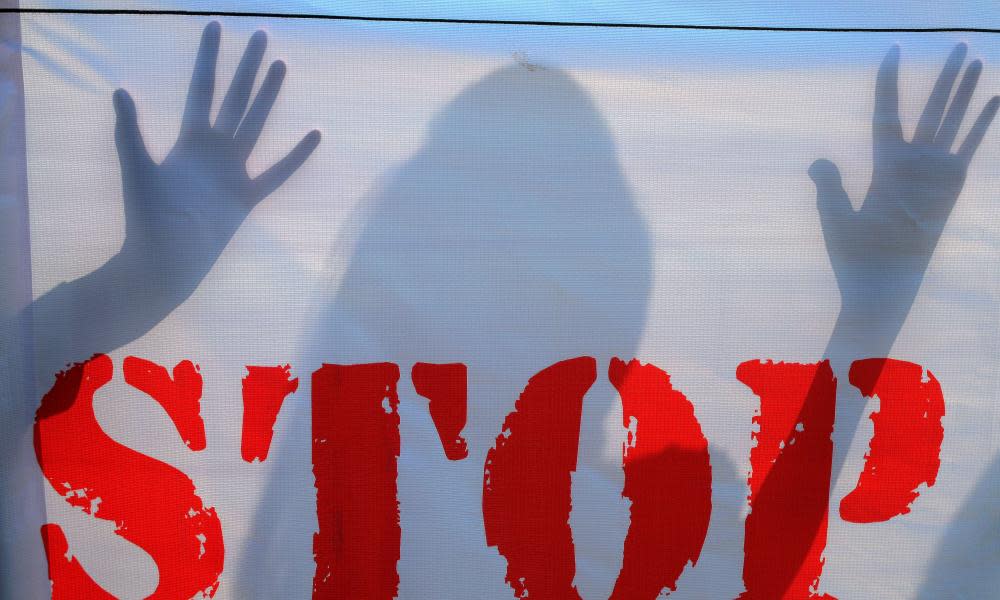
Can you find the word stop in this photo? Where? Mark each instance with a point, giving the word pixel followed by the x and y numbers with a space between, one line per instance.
pixel 356 444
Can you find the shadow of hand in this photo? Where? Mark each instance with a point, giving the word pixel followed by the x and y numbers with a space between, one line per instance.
pixel 180 214
pixel 880 252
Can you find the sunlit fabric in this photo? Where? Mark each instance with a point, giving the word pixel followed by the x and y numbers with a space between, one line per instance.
pixel 302 307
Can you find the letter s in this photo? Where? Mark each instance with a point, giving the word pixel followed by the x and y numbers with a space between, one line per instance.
pixel 153 504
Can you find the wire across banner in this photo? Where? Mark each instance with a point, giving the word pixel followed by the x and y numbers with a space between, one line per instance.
pixel 532 23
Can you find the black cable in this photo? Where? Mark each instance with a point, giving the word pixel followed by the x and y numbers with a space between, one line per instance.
pixel 272 15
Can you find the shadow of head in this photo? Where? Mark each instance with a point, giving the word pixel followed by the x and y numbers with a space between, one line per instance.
pixel 508 241
pixel 512 231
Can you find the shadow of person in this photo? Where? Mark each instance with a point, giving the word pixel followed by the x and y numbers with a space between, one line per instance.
pixel 508 242
pixel 718 572
pixel 879 254
pixel 179 216
pixel 966 561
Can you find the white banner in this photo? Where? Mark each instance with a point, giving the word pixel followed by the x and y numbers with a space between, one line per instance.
pixel 348 309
